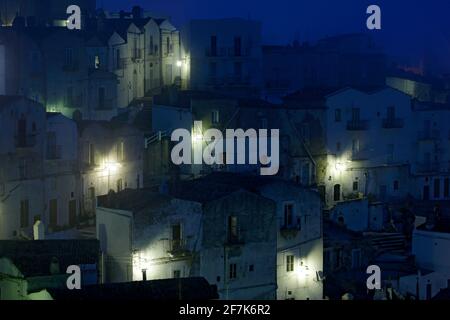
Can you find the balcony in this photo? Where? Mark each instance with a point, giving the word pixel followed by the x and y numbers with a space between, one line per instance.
pixel 429 135
pixel 290 231
pixel 178 248
pixel 393 123
pixel 235 239
pixel 357 125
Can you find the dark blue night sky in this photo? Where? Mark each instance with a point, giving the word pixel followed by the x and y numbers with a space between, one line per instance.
pixel 410 27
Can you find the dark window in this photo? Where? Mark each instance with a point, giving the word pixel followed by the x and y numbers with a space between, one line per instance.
pixel 437 188
pixel 237 46
pixel 337 192
pixel 119 185
pixel 251 268
pixel 446 187
pixel 288 214
pixel 356 258
pixel 24 213
pixel 337 115
pixel 53 207
pixel 69 57
pixel 176 274
pixel 396 185
pixel 176 236
pixel 290 263
pixel 168 45
pixel 91 154
pixel 22 132
pixel 101 98
pixel 355 185
pixel 233 271
pixel 337 259
pixel 355 114
pixel 118 60
pixel 151 45
pixel 238 70
pixel 69 98
pixel 213 46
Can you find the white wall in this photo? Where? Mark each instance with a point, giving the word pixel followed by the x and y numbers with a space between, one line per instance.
pixel 2 70
pixel 431 250
pixel 114 231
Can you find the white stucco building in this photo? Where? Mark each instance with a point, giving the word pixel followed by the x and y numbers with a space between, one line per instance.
pixel 224 55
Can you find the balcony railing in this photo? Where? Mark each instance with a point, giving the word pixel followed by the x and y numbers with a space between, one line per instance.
pixel 235 238
pixel 393 123
pixel 178 247
pixel 357 125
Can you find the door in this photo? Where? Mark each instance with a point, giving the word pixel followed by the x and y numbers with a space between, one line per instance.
pixel 53 213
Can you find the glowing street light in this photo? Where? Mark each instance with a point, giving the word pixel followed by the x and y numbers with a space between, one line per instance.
pixel 340 167
pixel 179 63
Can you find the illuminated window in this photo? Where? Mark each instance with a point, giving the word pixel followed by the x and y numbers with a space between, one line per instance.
pixel 290 263
pixel 97 62
pixel 215 117
pixel 232 271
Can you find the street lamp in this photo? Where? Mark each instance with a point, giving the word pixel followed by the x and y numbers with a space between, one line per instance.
pixel 111 168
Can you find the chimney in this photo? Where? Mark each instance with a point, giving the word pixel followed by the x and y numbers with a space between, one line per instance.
pixel 137 12
pixel 38 230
